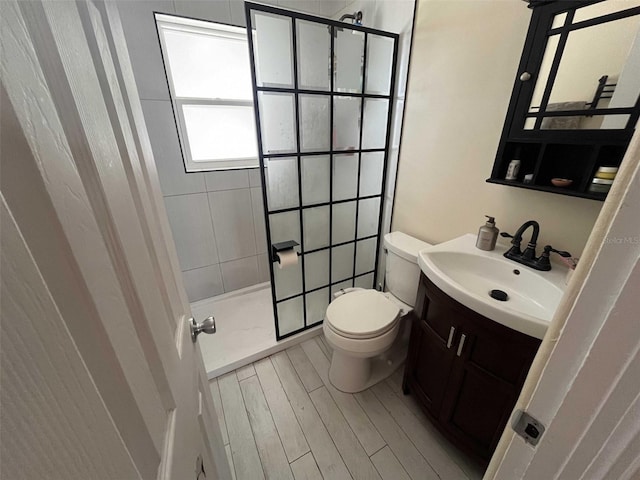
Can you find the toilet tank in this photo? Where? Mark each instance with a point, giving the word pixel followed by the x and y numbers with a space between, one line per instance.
pixel 402 272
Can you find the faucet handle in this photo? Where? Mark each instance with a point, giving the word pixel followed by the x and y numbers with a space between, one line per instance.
pixel 548 249
pixel 506 235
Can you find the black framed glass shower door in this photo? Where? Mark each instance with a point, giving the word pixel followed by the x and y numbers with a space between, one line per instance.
pixel 323 93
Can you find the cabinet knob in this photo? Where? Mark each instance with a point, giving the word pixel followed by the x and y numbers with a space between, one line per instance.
pixel 525 77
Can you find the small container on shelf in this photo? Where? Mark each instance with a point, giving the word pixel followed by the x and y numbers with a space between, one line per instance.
pixel 561 182
pixel 600 185
pixel 606 173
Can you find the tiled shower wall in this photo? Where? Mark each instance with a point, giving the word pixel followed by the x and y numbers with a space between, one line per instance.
pixel 216 218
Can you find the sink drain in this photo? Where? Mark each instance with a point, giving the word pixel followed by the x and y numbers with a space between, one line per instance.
pixel 499 295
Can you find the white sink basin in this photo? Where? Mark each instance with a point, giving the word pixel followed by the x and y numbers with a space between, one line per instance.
pixel 468 274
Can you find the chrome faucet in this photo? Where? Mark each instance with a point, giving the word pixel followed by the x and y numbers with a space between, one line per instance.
pixel 528 257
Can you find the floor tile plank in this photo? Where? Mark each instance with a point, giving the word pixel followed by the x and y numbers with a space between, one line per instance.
pixel 414 463
pixel 293 441
pixel 355 416
pixel 306 372
pixel 324 346
pixel 227 448
pixel 388 465
pixel 352 453
pixel 305 468
pixel 245 372
pixel 272 456
pixel 243 447
pixel 427 444
pixel 217 403
pixel 324 451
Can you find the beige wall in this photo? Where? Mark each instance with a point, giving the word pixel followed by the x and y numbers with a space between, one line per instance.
pixel 463 64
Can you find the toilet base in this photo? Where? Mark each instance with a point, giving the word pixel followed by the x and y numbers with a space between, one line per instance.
pixel 362 373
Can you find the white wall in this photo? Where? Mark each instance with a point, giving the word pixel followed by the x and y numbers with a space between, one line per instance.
pixel 464 61
pixel 216 218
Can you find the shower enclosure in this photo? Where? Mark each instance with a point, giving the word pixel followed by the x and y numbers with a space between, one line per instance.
pixel 323 95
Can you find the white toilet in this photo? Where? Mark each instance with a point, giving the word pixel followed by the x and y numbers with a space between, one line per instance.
pixel 362 325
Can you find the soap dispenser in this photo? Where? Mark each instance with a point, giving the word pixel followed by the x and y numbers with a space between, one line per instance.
pixel 487 235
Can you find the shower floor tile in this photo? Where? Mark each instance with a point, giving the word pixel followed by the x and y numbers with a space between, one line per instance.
pixel 245 329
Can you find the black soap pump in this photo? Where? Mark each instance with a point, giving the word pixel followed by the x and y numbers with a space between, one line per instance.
pixel 487 235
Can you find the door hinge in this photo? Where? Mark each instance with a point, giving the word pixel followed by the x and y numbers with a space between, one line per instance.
pixel 527 427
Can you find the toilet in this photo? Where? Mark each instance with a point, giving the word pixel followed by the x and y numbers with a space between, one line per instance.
pixel 365 327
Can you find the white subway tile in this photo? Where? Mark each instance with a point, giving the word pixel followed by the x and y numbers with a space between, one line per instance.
pixel 232 215
pixel 239 273
pixel 201 283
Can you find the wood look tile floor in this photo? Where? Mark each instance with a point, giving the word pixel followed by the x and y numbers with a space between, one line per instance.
pixel 282 419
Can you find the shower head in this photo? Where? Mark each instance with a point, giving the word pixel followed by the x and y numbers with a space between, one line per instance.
pixel 356 17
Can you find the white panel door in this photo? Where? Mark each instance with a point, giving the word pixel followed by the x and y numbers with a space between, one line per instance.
pixel 100 377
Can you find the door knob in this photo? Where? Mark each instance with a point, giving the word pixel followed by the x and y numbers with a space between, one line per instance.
pixel 208 325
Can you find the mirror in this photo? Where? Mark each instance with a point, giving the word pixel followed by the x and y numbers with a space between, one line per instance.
pixel 598 68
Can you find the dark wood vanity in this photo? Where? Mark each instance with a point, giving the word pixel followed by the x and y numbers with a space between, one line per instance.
pixel 575 101
pixel 465 370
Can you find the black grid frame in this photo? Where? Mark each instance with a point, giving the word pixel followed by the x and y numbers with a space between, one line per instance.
pixel 331 94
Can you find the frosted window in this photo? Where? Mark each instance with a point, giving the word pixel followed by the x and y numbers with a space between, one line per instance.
pixel 220 132
pixel 345 176
pixel 288 281
pixel 379 62
pixel 316 227
pixel 314 122
pixel 346 119
pixel 290 316
pixel 365 281
pixel 349 51
pixel 341 262
pixel 315 179
pixel 284 226
pixel 374 129
pixel 343 222
pixel 314 44
pixel 317 303
pixel 368 215
pixel 273 47
pixel 371 169
pixel 208 65
pixel 277 120
pixel 282 183
pixel 316 269
pixel 365 255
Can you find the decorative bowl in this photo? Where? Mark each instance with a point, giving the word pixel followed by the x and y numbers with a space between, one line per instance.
pixel 561 182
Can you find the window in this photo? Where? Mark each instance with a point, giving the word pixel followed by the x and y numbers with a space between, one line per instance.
pixel 207 66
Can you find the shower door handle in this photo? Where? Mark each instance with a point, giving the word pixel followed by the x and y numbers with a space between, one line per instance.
pixel 208 325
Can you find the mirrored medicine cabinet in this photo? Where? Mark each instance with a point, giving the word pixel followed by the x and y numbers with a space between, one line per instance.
pixel 575 101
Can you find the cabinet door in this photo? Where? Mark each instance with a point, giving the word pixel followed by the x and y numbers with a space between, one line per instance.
pixel 431 360
pixel 485 383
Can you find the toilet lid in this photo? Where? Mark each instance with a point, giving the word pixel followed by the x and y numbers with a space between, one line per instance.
pixel 362 314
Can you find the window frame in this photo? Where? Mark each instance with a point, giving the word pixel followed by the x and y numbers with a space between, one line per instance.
pixel 166 22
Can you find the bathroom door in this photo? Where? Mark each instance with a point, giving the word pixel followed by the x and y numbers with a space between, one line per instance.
pixel 100 377
pixel 322 92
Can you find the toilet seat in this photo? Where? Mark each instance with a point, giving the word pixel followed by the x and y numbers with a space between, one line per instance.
pixel 362 314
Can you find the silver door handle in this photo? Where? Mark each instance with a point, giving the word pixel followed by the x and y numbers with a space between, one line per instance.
pixel 452 332
pixel 208 325
pixel 463 337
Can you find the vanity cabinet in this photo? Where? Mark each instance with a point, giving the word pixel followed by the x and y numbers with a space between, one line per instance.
pixel 575 100
pixel 465 370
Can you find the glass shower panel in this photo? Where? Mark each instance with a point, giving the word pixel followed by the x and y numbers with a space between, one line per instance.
pixel 346 123
pixel 368 217
pixel 282 191
pixel 273 47
pixel 290 316
pixel 316 113
pixel 379 57
pixel 371 170
pixel 316 183
pixel 284 226
pixel 343 222
pixel 349 54
pixel 374 120
pixel 366 255
pixel 345 176
pixel 315 128
pixel 316 269
pixel 315 222
pixel 314 55
pixel 277 122
pixel 317 303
